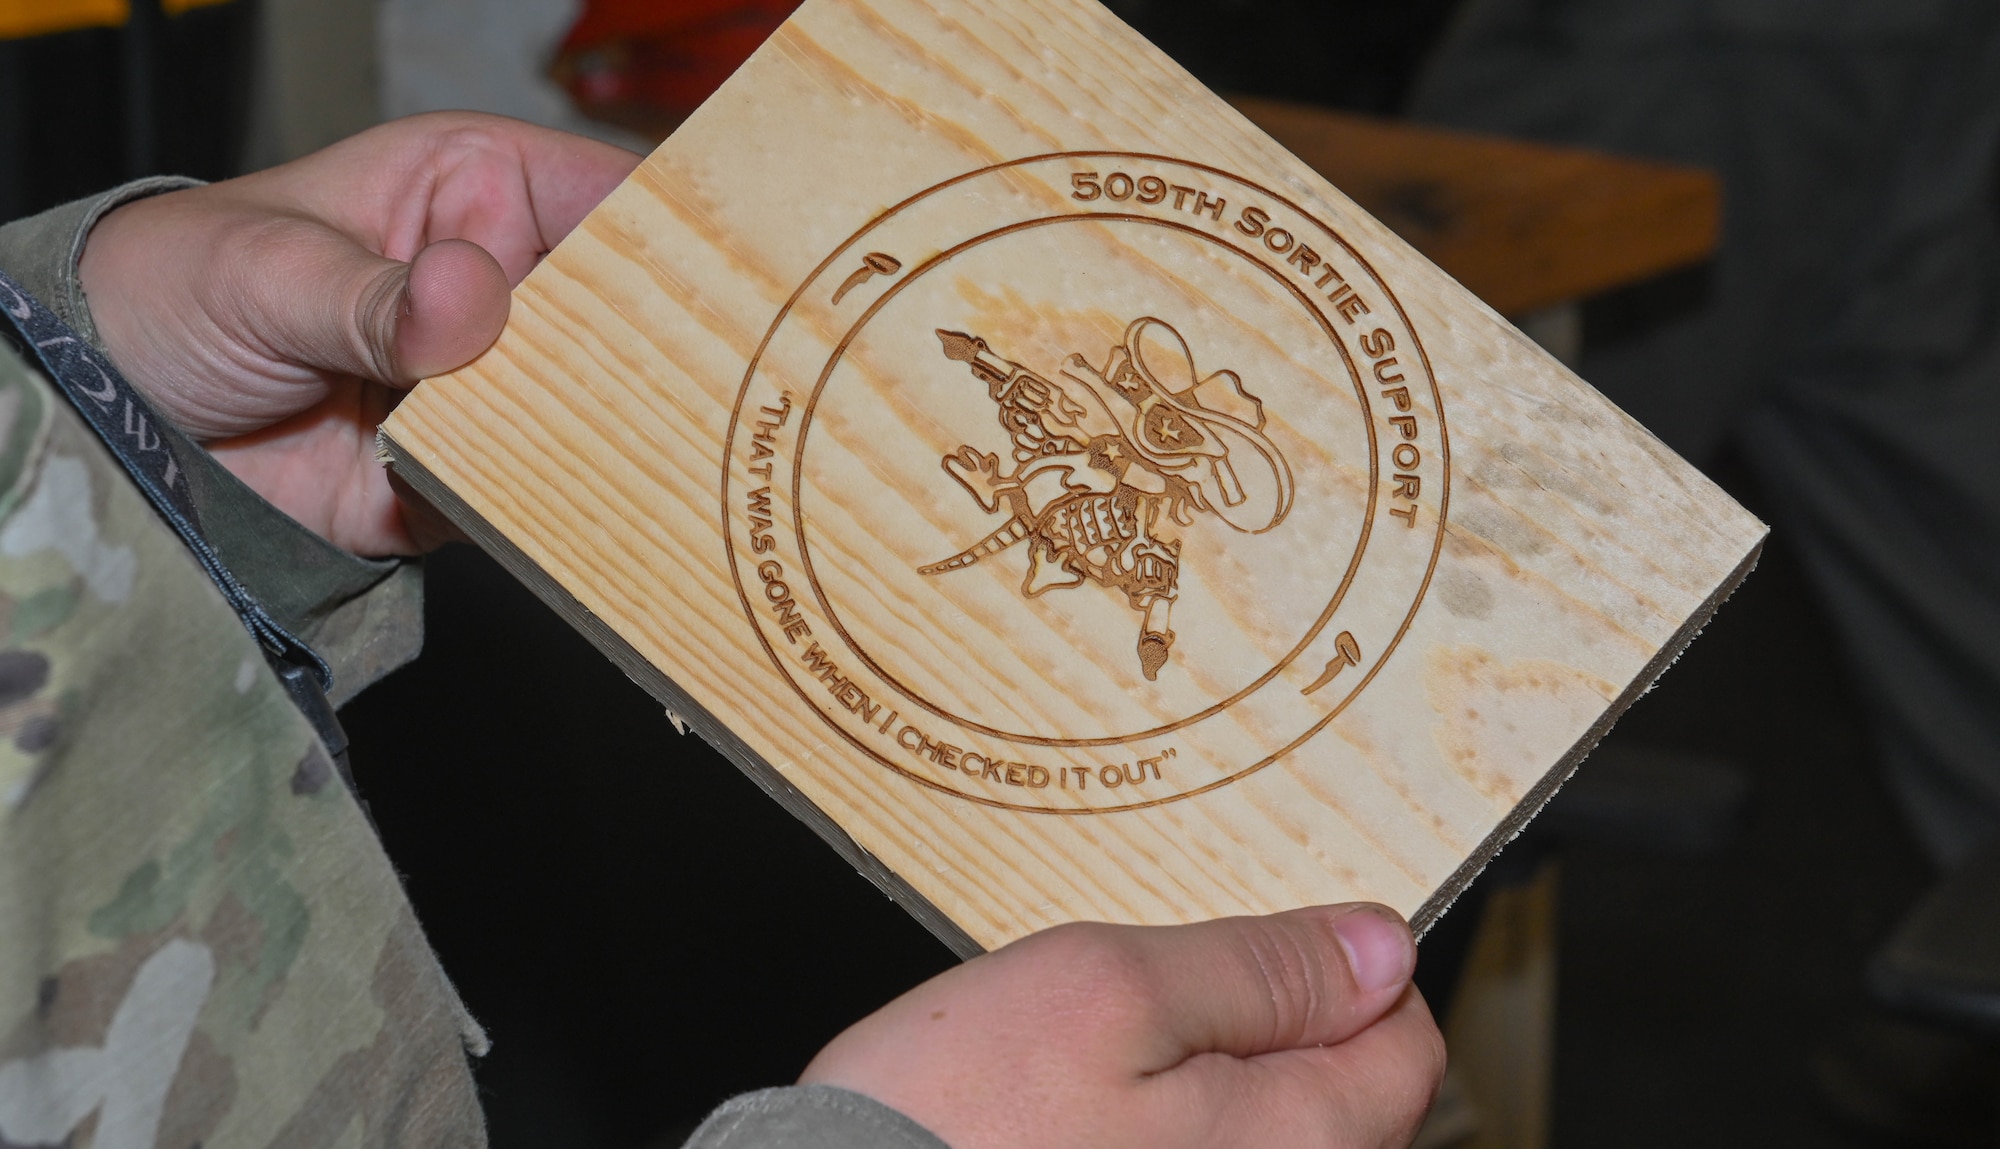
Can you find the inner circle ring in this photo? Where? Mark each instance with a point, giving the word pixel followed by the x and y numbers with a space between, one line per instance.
pixel 839 352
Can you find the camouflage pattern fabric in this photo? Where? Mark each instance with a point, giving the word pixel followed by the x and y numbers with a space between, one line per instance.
pixel 809 1117
pixel 363 616
pixel 201 942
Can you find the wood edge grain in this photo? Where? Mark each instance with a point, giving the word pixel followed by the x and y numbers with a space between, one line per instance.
pixel 668 694
pixel 1532 803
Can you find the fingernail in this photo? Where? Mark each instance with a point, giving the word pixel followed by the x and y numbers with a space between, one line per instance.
pixel 1379 950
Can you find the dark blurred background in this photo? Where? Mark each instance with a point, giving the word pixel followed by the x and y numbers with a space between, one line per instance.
pixel 65 103
pixel 645 934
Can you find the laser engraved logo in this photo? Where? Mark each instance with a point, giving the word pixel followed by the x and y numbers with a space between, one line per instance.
pixel 1110 464
pixel 1181 400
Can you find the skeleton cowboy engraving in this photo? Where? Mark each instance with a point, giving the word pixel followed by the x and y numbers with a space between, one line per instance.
pixel 1109 466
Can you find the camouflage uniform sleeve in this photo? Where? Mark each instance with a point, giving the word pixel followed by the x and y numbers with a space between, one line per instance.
pixel 201 941
pixel 809 1117
pixel 364 616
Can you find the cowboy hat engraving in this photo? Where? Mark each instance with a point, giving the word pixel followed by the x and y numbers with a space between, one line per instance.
pixel 1110 465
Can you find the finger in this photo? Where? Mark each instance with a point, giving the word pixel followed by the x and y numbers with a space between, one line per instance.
pixel 513 188
pixel 1249 986
pixel 568 176
pixel 324 303
pixel 454 304
pixel 1371 1090
pixel 426 527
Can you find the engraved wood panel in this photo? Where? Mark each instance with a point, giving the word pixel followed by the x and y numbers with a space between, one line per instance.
pixel 1058 494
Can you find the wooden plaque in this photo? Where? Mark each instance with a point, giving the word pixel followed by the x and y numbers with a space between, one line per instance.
pixel 1058 495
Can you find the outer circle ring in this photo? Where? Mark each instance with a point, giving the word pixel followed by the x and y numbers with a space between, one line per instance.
pixel 749 378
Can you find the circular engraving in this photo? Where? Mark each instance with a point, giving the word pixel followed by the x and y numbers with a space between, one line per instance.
pixel 1085 482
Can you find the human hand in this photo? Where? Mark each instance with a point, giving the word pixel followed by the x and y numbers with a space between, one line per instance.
pixel 278 317
pixel 1299 1029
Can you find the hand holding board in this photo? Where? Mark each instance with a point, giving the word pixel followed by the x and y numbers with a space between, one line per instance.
pixel 1060 496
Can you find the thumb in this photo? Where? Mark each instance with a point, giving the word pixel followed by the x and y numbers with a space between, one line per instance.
pixel 429 316
pixel 1251 986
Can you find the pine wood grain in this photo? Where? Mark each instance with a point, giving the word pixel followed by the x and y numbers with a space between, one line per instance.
pixel 1378 571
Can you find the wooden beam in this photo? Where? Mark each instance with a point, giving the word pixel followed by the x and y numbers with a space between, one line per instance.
pixel 1059 495
pixel 1522 225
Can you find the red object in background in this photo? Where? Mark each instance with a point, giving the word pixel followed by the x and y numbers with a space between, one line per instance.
pixel 646 64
